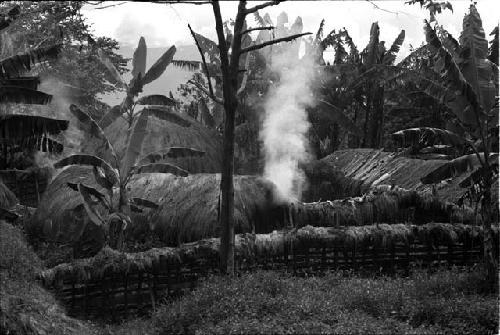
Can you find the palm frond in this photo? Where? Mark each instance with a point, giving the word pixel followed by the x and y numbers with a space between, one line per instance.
pixel 18 65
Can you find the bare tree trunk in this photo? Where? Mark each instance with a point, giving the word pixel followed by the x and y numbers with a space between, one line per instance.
pixel 488 252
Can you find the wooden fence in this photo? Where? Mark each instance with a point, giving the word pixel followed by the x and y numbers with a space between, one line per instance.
pixel 114 294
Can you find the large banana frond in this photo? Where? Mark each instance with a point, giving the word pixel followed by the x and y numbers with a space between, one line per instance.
pixel 493 50
pixel 95 136
pixel 134 145
pixel 450 43
pixel 465 103
pixel 160 168
pixel 139 59
pixel 476 68
pixel 456 167
pixel 157 100
pixel 159 66
pixel 114 113
pixel 371 52
pixel 89 206
pixel 390 55
pixel 427 136
pixel 90 191
pixel 17 65
pixel 89 160
pixel 144 203
pixel 173 152
pixel 115 75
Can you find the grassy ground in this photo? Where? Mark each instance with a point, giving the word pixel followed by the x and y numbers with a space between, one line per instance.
pixel 446 302
pixel 25 307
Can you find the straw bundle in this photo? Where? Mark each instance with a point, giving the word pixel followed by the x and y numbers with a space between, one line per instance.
pixel 251 246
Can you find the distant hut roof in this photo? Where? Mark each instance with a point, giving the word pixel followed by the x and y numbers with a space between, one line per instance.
pixel 163 134
pixel 374 166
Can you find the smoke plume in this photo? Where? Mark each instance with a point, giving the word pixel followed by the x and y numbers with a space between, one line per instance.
pixel 285 126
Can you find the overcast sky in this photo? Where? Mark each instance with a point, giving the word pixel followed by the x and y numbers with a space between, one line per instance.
pixel 164 25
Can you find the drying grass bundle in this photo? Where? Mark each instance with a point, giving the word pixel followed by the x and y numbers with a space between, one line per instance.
pixel 382 204
pixel 253 246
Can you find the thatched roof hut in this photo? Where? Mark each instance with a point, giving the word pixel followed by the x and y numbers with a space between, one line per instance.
pixel 162 134
pixel 375 167
pixel 190 207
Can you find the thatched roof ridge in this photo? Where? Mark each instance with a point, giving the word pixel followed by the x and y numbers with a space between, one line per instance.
pixel 249 246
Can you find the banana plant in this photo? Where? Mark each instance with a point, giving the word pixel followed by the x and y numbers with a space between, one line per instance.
pixel 140 77
pixel 112 211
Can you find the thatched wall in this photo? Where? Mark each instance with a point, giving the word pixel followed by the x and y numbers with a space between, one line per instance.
pixel 189 209
pixel 162 134
pixel 378 167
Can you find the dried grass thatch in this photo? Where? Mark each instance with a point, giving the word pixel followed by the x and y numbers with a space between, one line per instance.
pixel 162 134
pixel 374 167
pixel 381 204
pixel 26 307
pixel 189 209
pixel 252 246
pixel 7 198
pixel 188 206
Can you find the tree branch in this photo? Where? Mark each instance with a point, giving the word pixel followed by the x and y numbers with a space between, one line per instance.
pixel 205 66
pixel 279 40
pixel 257 28
pixel 204 90
pixel 262 6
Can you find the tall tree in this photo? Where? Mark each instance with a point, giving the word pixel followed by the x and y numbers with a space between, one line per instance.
pixel 230 54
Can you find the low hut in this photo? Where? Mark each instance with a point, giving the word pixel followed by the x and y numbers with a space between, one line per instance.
pixel 188 206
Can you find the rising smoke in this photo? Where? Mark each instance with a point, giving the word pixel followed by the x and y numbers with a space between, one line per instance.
pixel 285 126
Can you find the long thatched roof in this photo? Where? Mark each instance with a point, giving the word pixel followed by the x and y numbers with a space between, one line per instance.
pixel 190 207
pixel 373 167
pixel 162 134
